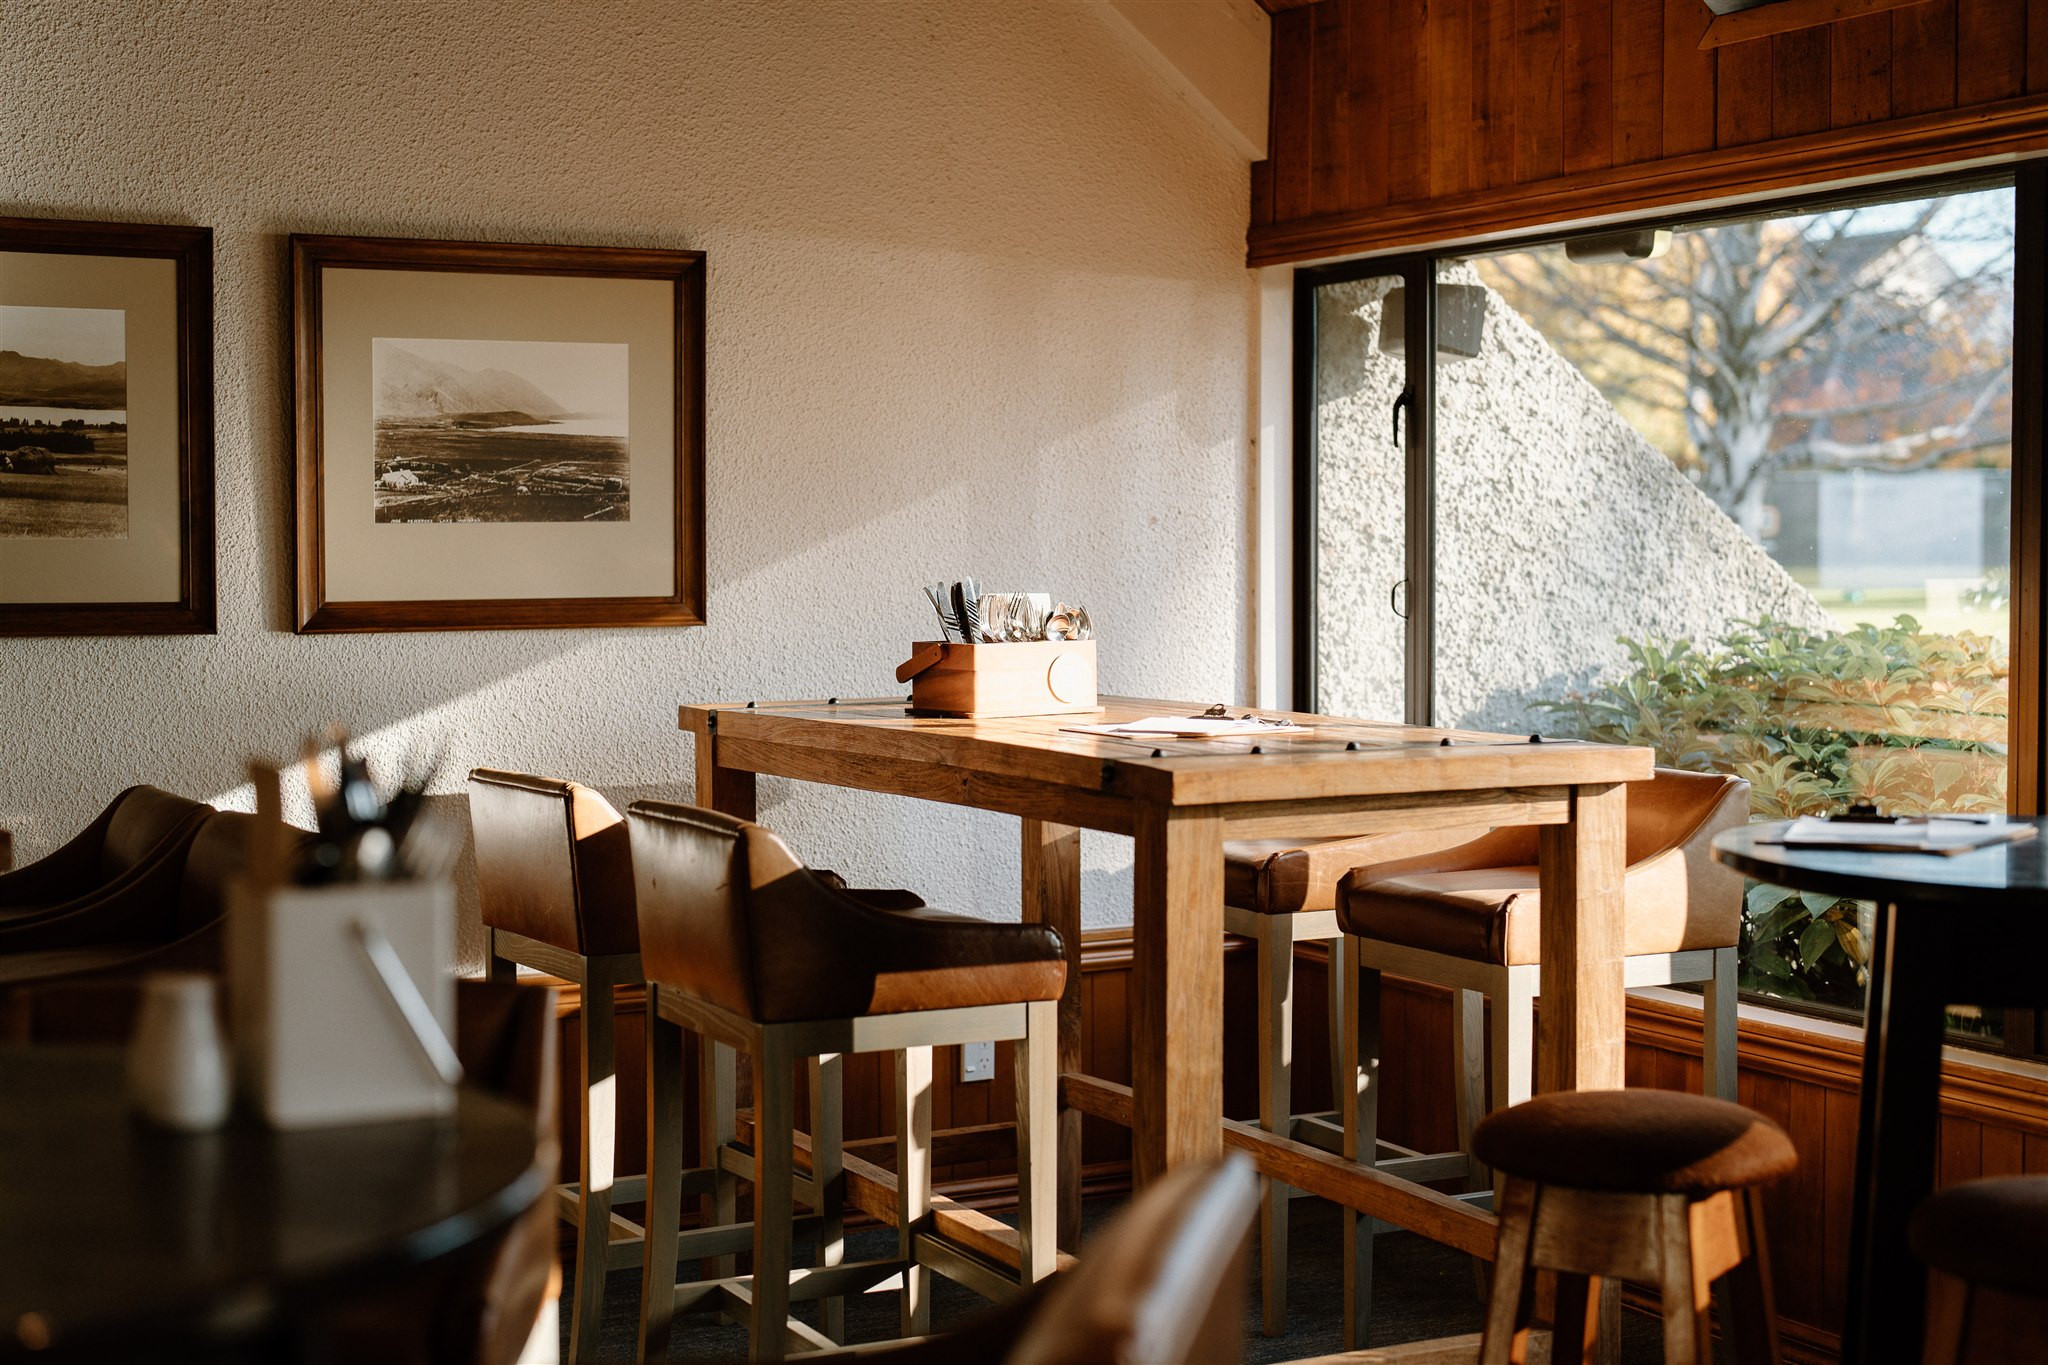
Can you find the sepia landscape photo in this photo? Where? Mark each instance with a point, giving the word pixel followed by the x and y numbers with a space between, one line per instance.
pixel 500 430
pixel 63 423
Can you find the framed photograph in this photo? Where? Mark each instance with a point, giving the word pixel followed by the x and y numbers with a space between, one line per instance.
pixel 497 436
pixel 106 428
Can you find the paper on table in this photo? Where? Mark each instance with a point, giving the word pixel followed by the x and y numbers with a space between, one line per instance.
pixel 1188 727
pixel 1932 835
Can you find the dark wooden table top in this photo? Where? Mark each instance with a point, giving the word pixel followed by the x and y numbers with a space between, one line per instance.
pixel 112 1229
pixel 2005 875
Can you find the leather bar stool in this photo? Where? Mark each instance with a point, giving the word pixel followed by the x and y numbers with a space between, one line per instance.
pixel 1986 1243
pixel 555 877
pixel 745 945
pixel 1277 893
pixel 1468 918
pixel 1655 1187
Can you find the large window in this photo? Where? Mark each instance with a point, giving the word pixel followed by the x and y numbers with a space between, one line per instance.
pixel 1739 489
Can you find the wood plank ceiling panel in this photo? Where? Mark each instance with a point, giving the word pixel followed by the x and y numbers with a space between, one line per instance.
pixel 1859 66
pixel 1493 93
pixel 1330 176
pixel 1292 133
pixel 1447 37
pixel 1991 50
pixel 1688 80
pixel 1370 58
pixel 1638 83
pixel 1539 91
pixel 1744 79
pixel 1924 58
pixel 1799 82
pixel 1408 116
pixel 1587 49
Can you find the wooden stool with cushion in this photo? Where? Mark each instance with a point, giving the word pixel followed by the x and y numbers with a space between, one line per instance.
pixel 1277 893
pixel 1469 918
pixel 555 877
pixel 745 945
pixel 1986 1242
pixel 1656 1187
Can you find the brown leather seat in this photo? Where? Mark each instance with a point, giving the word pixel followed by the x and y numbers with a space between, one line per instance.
pixel 1480 901
pixel 1288 876
pixel 134 849
pixel 1636 1141
pixel 1991 1232
pixel 728 914
pixel 553 863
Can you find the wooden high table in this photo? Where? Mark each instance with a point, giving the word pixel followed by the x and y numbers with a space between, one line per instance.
pixel 1178 801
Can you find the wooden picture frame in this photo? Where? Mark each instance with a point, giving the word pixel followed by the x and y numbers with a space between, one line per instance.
pixel 497 436
pixel 106 516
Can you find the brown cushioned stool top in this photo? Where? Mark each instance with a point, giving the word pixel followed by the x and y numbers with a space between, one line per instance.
pixel 1638 1141
pixel 1290 876
pixel 1989 1232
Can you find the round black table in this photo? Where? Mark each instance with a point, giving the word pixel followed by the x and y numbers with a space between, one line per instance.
pixel 1970 928
pixel 121 1240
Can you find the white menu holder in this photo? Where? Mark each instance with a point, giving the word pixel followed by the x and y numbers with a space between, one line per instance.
pixel 341 999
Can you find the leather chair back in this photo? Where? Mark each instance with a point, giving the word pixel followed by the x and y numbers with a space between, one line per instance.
pixel 690 871
pixel 553 862
pixel 142 820
pixel 1163 1283
pixel 1679 813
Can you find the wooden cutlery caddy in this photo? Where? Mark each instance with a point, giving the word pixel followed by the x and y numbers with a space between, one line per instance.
pixel 973 682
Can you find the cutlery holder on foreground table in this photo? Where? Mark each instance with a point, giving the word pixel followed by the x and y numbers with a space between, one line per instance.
pixel 1029 678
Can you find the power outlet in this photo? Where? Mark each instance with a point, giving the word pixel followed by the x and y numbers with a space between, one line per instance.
pixel 977 1061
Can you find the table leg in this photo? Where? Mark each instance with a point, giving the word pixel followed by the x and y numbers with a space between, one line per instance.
pixel 1895 1140
pixel 730 790
pixel 1177 992
pixel 1052 896
pixel 1580 1040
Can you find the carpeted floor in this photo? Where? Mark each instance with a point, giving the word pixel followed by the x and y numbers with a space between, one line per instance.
pixel 1420 1290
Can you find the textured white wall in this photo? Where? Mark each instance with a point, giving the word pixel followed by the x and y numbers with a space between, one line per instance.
pixel 976 305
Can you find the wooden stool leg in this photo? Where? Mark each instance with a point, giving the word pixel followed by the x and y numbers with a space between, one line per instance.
pixel 717 1081
pixel 828 1121
pixel 1359 1105
pixel 1576 1331
pixel 1688 1337
pixel 1275 943
pixel 1035 1058
pixel 913 1182
pixel 1513 1044
pixel 774 1195
pixel 664 1178
pixel 497 970
pixel 1468 1055
pixel 1505 1340
pixel 1948 1312
pixel 1749 1315
pixel 1338 985
pixel 597 1123
pixel 1717 1028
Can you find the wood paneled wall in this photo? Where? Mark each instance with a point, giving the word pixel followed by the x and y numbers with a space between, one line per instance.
pixel 1405 122
pixel 1992 1122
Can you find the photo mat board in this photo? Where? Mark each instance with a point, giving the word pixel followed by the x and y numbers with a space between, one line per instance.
pixel 106 428
pixel 497 436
